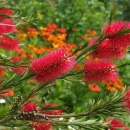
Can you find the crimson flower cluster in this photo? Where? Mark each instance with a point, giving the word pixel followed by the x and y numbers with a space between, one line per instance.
pixel 7 26
pixel 112 47
pixel 115 45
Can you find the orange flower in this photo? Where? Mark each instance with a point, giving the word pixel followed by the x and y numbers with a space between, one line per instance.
pixel 78 67
pixel 61 30
pixel 30 56
pixel 86 38
pixel 114 85
pixel 32 32
pixel 91 32
pixel 31 81
pixel 30 47
pixel 21 35
pixel 94 88
pixel 6 93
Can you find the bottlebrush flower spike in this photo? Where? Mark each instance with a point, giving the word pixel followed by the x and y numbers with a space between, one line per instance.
pixel 52 112
pixel 8 43
pixel 42 126
pixel 126 102
pixel 117 124
pixel 110 48
pixel 29 107
pixel 7 26
pixel 96 71
pixel 6 11
pixel 52 66
pixel 115 27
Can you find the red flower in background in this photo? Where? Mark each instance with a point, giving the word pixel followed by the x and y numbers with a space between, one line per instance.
pixel 52 66
pixel 8 43
pixel 96 71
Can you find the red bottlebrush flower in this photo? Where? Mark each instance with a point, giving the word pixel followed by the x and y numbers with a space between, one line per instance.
pixel 107 49
pixel 127 100
pixel 52 112
pixel 52 65
pixel 96 71
pixel 115 27
pixel 117 124
pixel 8 43
pixel 42 126
pixel 6 11
pixel 7 26
pixel 29 107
